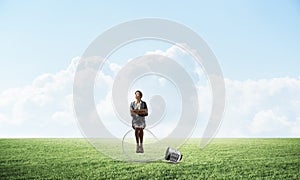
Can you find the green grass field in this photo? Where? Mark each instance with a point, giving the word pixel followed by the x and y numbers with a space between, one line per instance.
pixel 221 159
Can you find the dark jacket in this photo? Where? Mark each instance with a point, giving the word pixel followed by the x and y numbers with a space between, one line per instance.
pixel 143 106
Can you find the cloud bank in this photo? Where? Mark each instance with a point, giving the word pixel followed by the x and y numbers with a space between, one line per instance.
pixel 254 108
pixel 262 108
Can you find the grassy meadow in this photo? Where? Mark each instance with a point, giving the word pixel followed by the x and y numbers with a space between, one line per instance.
pixel 242 158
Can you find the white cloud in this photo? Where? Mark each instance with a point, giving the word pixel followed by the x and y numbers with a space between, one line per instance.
pixel 266 121
pixel 162 81
pixel 65 116
pixel 295 128
pixel 114 67
pixel 43 108
pixel 2 118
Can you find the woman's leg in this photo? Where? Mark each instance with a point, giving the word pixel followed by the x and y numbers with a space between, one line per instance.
pixel 137 135
pixel 141 134
pixel 137 138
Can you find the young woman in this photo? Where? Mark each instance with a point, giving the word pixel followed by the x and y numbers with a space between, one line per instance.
pixel 138 110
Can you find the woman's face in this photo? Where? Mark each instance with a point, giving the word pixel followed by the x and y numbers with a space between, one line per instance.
pixel 137 95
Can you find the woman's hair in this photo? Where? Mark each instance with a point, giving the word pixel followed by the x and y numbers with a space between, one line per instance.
pixel 139 92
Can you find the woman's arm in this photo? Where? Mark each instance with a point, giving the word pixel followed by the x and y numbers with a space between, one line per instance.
pixel 132 113
pixel 140 111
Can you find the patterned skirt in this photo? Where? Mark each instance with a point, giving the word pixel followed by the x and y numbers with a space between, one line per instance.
pixel 138 121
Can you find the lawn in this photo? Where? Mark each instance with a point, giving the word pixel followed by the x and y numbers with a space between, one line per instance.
pixel 221 159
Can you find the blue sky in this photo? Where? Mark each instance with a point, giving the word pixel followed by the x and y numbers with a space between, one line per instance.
pixel 252 39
